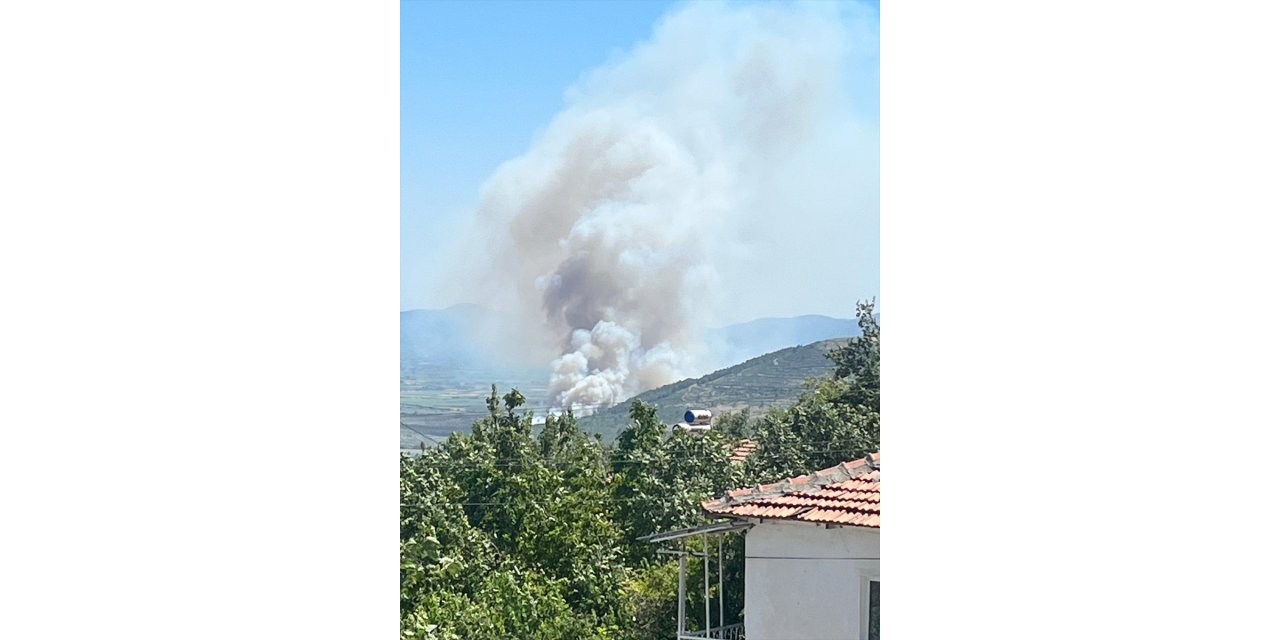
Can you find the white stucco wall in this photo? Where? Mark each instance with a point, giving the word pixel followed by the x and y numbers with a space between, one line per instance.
pixel 809 599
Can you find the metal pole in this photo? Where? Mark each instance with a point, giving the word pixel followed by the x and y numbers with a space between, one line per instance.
pixel 720 567
pixel 680 602
pixel 706 585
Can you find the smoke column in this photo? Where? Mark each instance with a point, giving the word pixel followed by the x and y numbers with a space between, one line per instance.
pixel 606 234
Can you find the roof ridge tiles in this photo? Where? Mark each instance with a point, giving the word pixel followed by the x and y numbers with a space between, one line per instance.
pixel 812 497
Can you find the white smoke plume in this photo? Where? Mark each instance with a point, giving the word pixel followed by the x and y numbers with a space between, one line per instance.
pixel 609 232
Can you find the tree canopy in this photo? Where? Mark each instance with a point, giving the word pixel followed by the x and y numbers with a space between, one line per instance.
pixel 504 533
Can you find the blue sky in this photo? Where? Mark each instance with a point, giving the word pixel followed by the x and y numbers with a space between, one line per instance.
pixel 480 80
pixel 477 80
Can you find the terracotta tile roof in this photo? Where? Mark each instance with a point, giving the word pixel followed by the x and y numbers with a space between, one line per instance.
pixel 744 449
pixel 846 494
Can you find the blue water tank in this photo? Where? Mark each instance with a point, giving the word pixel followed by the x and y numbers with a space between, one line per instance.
pixel 697 416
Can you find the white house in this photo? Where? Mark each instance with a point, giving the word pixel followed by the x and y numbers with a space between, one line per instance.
pixel 812 556
pixel 813 553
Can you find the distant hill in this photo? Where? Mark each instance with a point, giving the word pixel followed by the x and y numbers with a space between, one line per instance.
pixel 438 343
pixel 771 380
pixel 439 336
pixel 441 346
pixel 739 342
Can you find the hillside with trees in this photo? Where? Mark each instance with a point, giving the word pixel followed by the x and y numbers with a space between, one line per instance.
pixel 508 533
pixel 772 380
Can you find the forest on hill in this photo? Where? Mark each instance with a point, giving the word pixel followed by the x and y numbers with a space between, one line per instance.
pixel 772 380
pixel 508 533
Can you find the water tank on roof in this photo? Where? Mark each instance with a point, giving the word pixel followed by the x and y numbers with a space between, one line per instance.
pixel 692 429
pixel 697 417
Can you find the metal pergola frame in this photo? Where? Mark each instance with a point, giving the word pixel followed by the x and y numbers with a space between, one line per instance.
pixel 716 528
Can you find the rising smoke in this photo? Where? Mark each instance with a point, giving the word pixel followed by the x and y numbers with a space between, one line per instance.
pixel 607 234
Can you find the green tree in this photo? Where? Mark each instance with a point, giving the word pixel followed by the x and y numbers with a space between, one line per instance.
pixel 734 424
pixel 858 362
pixel 640 498
pixel 838 419
pixel 540 507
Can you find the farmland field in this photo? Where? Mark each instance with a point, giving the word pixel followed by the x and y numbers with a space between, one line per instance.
pixel 430 412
